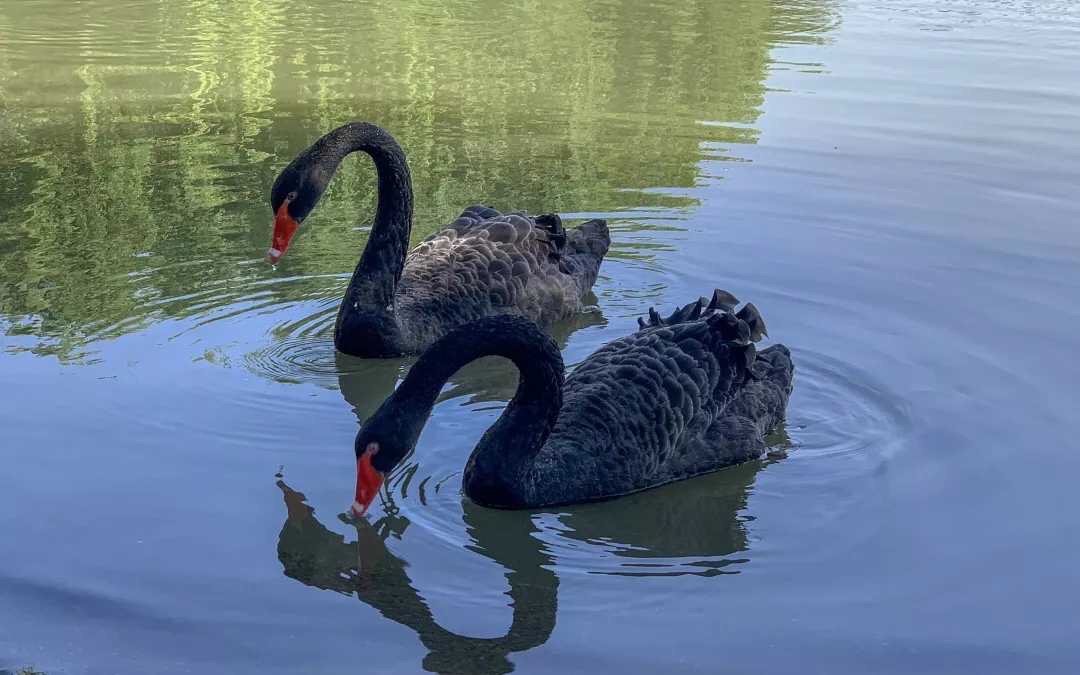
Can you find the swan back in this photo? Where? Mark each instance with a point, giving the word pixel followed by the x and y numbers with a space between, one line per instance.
pixel 682 396
pixel 487 263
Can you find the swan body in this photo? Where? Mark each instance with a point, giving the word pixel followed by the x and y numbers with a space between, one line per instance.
pixel 487 263
pixel 682 396
pixel 484 263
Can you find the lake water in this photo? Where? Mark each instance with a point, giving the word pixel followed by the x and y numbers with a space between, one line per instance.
pixel 894 184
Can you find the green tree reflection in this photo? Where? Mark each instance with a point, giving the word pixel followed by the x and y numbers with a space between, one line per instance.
pixel 137 142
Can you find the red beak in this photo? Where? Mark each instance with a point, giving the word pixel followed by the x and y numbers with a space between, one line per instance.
pixel 368 481
pixel 284 229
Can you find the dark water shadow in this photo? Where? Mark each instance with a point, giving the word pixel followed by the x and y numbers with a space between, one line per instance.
pixel 693 527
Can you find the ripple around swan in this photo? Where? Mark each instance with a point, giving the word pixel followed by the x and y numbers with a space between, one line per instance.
pixel 297 359
pixel 243 293
pixel 296 348
pixel 838 409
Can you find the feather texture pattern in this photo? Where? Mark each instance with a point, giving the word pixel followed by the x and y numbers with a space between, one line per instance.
pixel 682 396
pixel 487 263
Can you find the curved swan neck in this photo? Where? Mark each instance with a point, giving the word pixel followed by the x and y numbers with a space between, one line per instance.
pixel 506 451
pixel 376 276
pixel 535 355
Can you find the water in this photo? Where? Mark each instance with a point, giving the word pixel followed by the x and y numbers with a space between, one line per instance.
pixel 892 183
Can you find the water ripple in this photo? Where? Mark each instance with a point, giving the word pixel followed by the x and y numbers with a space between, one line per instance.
pixel 839 409
pixel 297 359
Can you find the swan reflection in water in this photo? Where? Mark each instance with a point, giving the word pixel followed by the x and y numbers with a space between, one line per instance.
pixel 691 527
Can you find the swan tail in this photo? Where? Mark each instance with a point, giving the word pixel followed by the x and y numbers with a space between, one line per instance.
pixel 757 408
pixel 768 388
pixel 769 368
pixel 591 237
pixel 585 247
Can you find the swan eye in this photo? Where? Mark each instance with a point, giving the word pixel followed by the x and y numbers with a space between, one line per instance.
pixel 291 196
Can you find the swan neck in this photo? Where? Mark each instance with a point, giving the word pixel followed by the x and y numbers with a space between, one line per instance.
pixel 499 465
pixel 376 276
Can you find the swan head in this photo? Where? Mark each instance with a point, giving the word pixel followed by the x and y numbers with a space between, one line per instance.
pixel 368 479
pixel 296 191
pixel 386 438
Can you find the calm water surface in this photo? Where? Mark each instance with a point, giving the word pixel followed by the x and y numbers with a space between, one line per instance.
pixel 894 184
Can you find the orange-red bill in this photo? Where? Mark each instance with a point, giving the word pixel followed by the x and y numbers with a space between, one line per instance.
pixel 368 481
pixel 284 229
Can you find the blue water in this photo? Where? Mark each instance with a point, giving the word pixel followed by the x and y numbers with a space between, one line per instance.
pixel 892 184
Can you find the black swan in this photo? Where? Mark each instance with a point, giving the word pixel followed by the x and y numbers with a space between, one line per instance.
pixel 484 263
pixel 684 395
